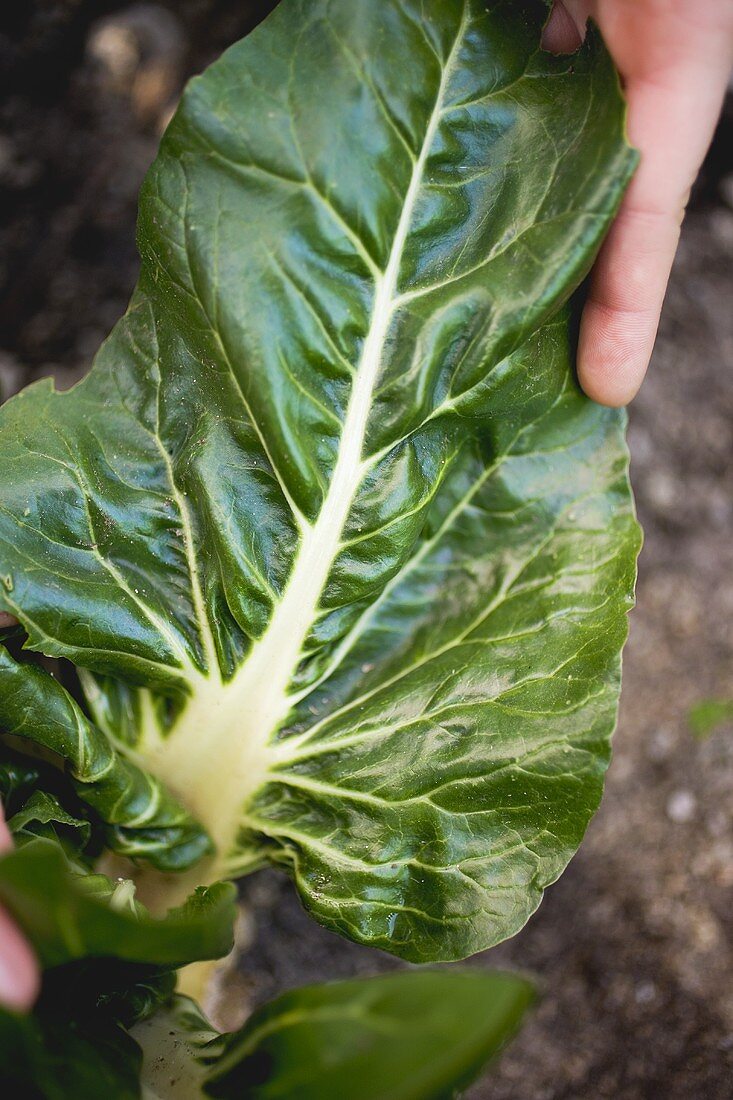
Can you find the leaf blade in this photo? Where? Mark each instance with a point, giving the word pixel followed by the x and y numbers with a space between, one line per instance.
pixel 405 1036
pixel 351 312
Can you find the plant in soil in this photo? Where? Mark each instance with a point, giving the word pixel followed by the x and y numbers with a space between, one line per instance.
pixel 334 555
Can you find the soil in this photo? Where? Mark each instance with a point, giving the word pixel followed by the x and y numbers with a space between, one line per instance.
pixel 633 948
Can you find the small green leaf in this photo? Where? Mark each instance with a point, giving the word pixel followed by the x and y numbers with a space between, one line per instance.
pixel 44 816
pixel 143 819
pixel 708 714
pixel 69 916
pixel 39 800
pixel 340 550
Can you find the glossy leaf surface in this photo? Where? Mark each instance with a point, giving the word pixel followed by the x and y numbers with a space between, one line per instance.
pixel 341 552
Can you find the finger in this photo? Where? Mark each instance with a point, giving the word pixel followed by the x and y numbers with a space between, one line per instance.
pixel 6 841
pixel 672 116
pixel 6 620
pixel 19 980
pixel 621 316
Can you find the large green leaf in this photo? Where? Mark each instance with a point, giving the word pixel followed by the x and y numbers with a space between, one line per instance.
pixel 341 552
pixel 407 1036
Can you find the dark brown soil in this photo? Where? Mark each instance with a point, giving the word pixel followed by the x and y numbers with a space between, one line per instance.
pixel 633 949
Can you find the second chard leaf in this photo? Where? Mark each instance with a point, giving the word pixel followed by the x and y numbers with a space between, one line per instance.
pixel 341 553
pixel 405 1036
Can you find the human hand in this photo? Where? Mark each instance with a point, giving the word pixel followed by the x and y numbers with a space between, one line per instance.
pixel 675 59
pixel 18 969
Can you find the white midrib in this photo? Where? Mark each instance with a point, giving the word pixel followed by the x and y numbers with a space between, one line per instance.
pixel 217 754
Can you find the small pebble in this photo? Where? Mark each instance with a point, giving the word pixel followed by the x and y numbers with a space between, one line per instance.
pixel 681 807
pixel 645 992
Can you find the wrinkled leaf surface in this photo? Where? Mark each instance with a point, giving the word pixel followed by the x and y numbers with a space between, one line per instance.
pixel 341 552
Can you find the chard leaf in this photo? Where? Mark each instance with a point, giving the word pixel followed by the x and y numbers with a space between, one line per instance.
pixel 142 819
pixel 405 1036
pixel 44 816
pixel 342 554
pixel 69 916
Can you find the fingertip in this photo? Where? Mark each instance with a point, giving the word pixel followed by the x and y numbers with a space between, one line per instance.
pixel 613 388
pixel 6 840
pixel 19 975
pixel 613 396
pixel 614 353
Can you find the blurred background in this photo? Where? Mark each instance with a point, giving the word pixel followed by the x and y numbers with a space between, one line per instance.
pixel 633 949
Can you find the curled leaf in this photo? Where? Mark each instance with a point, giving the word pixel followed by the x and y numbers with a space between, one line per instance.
pixel 141 817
